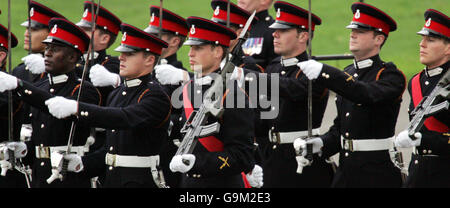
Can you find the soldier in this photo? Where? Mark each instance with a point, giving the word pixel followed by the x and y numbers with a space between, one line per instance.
pixel 13 178
pixel 260 43
pixel 290 42
pixel 33 68
pixel 217 160
pixel 431 150
pixel 368 101
pixel 65 44
pixel 135 116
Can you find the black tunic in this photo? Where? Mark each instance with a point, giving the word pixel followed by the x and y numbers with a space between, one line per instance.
pixel 429 170
pixel 368 102
pixel 50 131
pixel 136 120
pixel 236 133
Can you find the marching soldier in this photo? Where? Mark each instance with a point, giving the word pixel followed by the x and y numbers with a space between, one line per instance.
pixel 33 68
pixel 260 43
pixel 368 101
pixel 106 30
pixel 135 116
pixel 13 178
pixel 431 150
pixel 290 42
pixel 174 32
pixel 64 46
pixel 217 160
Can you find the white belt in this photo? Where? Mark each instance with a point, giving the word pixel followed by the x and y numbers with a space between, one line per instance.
pixel 367 144
pixel 44 152
pixel 289 137
pixel 131 161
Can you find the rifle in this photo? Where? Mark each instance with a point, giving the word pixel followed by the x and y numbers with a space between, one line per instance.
pixel 194 127
pixel 430 105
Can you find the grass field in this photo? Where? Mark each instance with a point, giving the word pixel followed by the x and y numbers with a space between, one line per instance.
pixel 330 38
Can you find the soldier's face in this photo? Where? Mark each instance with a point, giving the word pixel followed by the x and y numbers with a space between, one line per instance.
pixel 58 59
pixel 204 58
pixel 249 5
pixel 434 51
pixel 100 40
pixel 286 42
pixel 37 36
pixel 134 64
pixel 364 42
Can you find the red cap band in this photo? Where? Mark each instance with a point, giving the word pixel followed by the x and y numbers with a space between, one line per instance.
pixel 39 17
pixel 4 41
pixel 141 43
pixel 69 37
pixel 294 19
pixel 437 27
pixel 372 21
pixel 234 18
pixel 169 25
pixel 210 36
pixel 102 22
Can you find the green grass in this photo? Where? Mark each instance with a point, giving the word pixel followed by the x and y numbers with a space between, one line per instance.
pixel 330 38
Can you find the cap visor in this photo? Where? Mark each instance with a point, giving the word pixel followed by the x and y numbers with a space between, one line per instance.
pixel 191 42
pixel 33 24
pixel 84 23
pixel 277 25
pixel 122 48
pixel 151 30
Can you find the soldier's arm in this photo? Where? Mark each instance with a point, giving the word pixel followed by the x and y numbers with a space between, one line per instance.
pixel 388 87
pixel 94 164
pixel 152 110
pixel 436 142
pixel 332 139
pixel 237 129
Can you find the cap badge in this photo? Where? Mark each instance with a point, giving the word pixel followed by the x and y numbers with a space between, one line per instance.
pixel 193 29
pixel 124 37
pixel 217 10
pixel 152 19
pixel 31 11
pixel 428 23
pixel 85 13
pixel 278 13
pixel 357 14
pixel 54 29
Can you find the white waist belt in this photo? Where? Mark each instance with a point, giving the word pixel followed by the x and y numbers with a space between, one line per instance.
pixel 289 137
pixel 131 161
pixel 44 152
pixel 367 144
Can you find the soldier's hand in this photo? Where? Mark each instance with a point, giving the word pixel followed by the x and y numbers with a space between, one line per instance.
pixel 238 75
pixel 19 148
pixel 35 63
pixel 168 74
pixel 101 77
pixel 311 68
pixel 61 107
pixel 255 178
pixel 182 163
pixel 75 163
pixel 7 82
pixel 300 145
pixel 403 140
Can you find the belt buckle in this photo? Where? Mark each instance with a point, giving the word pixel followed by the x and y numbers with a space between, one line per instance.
pixel 111 160
pixel 44 152
pixel 348 144
pixel 275 135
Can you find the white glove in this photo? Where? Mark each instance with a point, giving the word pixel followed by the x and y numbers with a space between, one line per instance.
pixel 61 107
pixel 311 68
pixel 7 82
pixel 300 145
pixel 19 148
pixel 177 164
pixel 101 77
pixel 168 74
pixel 404 141
pixel 255 177
pixel 35 63
pixel 56 159
pixel 238 75
pixel 75 163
